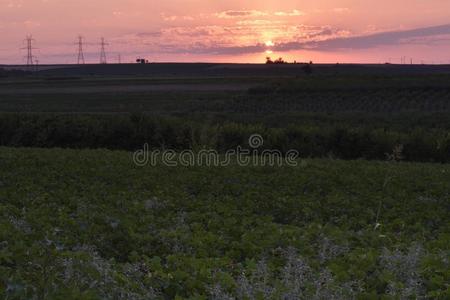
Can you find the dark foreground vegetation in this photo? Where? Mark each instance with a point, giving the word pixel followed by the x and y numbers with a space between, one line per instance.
pixel 91 225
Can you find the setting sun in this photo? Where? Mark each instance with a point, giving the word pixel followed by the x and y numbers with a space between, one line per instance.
pixel 269 44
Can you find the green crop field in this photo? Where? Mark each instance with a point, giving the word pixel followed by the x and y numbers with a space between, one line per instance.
pixel 90 224
pixel 362 214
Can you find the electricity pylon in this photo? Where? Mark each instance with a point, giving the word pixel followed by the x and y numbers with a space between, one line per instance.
pixel 80 60
pixel 103 51
pixel 29 41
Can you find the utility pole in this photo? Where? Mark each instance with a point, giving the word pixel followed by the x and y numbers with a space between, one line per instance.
pixel 80 60
pixel 103 51
pixel 29 41
pixel 119 58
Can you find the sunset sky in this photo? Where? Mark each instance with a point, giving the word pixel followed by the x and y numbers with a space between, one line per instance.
pixel 229 31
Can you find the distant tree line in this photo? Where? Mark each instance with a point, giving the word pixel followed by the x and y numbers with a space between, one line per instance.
pixel 307 67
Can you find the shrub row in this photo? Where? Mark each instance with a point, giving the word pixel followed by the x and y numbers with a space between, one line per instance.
pixel 130 132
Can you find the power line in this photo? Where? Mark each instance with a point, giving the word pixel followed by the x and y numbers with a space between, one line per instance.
pixel 80 60
pixel 103 51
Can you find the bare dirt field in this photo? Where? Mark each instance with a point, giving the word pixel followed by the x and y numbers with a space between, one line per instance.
pixel 224 87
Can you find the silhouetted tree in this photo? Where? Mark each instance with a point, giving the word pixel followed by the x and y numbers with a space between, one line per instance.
pixel 277 61
pixel 280 61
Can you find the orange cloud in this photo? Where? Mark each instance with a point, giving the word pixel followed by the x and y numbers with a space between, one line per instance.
pixel 230 14
pixel 293 13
